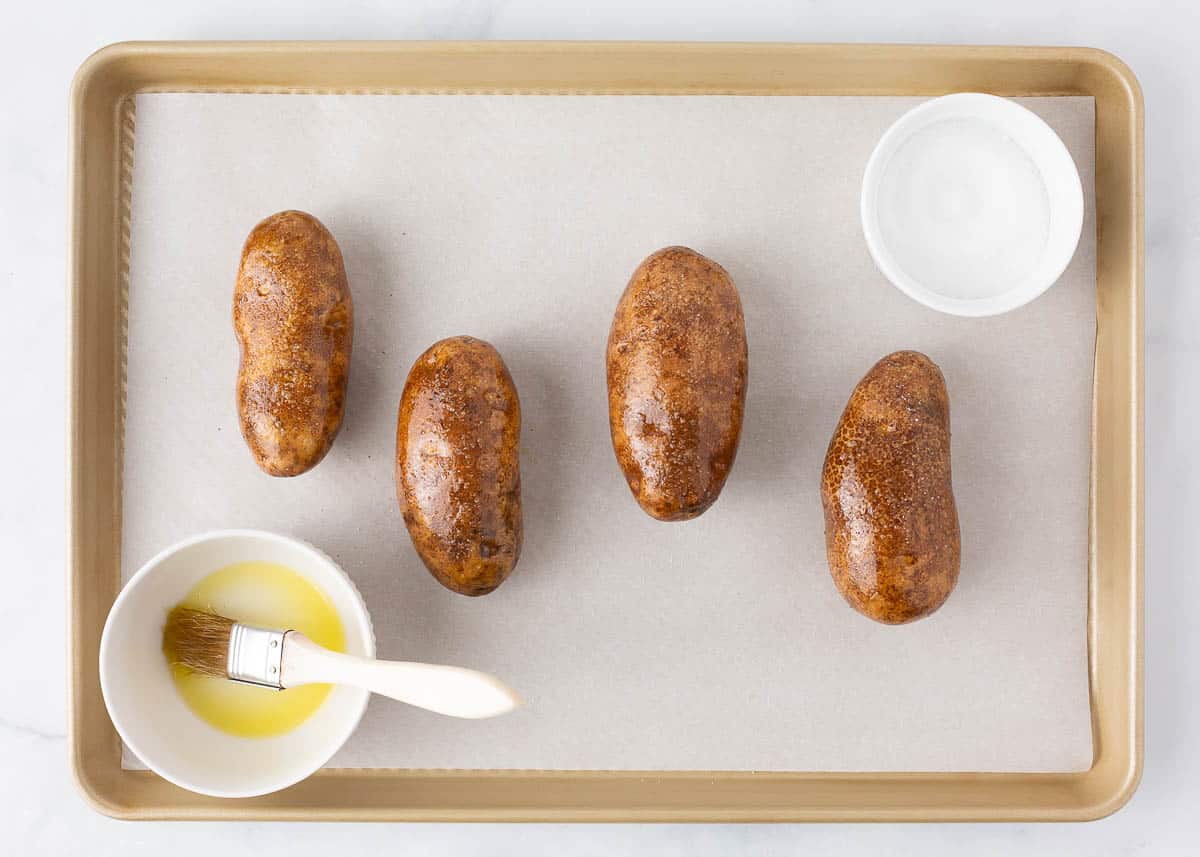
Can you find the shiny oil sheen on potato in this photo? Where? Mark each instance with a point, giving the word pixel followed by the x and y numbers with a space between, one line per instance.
pixel 891 526
pixel 458 478
pixel 294 321
pixel 677 367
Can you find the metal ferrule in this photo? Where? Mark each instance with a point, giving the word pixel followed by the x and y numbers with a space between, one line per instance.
pixel 255 656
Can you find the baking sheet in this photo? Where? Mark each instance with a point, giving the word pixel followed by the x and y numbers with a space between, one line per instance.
pixel 719 643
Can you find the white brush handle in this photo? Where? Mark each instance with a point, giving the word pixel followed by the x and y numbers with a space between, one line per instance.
pixel 454 691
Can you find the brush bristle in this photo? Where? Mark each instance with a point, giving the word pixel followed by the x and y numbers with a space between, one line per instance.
pixel 197 640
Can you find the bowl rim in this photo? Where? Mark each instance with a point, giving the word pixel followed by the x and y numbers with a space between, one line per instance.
pixel 1053 158
pixel 336 740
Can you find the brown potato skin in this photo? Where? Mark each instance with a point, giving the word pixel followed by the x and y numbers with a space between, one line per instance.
pixel 677 369
pixel 294 320
pixel 891 526
pixel 458 478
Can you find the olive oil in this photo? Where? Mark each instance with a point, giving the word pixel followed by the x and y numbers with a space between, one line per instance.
pixel 266 595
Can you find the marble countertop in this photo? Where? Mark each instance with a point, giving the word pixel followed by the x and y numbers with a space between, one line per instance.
pixel 39 807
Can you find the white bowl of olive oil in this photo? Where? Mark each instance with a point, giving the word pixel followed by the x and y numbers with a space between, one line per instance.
pixel 218 737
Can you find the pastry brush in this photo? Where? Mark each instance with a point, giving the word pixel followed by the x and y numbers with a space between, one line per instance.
pixel 213 645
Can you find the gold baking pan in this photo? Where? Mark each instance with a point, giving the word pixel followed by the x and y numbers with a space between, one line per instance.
pixel 101 153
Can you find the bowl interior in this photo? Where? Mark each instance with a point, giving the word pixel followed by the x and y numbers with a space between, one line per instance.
pixel 1010 163
pixel 153 719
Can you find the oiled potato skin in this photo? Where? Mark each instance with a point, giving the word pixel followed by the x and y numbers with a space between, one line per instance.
pixel 458 477
pixel 294 321
pixel 677 367
pixel 891 527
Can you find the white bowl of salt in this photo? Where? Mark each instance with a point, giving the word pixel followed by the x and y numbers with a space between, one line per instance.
pixel 971 205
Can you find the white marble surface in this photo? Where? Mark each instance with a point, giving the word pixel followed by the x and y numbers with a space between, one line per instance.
pixel 40 812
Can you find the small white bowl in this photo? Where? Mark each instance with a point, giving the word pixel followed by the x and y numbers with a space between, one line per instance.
pixel 153 719
pixel 971 205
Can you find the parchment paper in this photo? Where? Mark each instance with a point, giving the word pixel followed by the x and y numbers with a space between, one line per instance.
pixel 715 644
